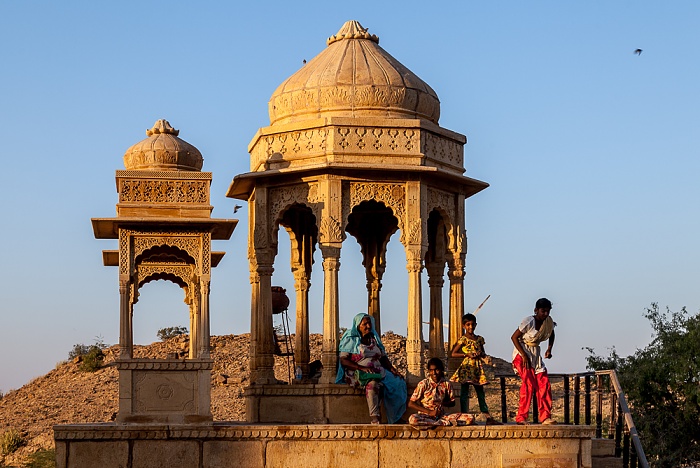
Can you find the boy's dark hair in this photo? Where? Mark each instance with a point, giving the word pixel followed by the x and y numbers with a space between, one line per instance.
pixel 543 303
pixel 468 318
pixel 437 362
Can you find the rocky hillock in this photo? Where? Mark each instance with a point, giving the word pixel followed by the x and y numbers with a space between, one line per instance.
pixel 69 395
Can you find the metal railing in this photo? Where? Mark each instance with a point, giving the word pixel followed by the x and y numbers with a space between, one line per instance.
pixel 619 412
pixel 613 419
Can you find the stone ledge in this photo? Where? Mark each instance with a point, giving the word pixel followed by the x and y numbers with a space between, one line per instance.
pixel 164 364
pixel 241 431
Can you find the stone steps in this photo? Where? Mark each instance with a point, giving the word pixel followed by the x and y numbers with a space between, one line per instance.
pixel 603 454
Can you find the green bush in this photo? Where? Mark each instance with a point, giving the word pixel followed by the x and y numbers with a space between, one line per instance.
pixel 171 332
pixel 10 441
pixel 91 356
pixel 42 459
pixel 92 361
pixel 662 385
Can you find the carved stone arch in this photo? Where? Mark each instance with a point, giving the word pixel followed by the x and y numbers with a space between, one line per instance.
pixel 181 275
pixel 392 195
pixel 301 223
pixel 164 254
pixel 189 243
pixel 281 199
pixel 438 237
pixel 446 204
pixel 371 222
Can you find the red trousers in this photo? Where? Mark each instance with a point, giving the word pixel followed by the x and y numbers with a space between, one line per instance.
pixel 532 383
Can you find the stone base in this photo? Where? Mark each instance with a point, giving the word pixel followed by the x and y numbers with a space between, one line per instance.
pixel 306 404
pixel 168 391
pixel 229 445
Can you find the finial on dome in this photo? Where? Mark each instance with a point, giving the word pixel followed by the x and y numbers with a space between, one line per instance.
pixel 352 30
pixel 162 126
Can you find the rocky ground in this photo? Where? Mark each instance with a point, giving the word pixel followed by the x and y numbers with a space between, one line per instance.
pixel 68 395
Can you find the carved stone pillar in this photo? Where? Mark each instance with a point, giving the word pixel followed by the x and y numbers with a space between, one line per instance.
pixel 374 286
pixel 456 275
pixel 194 331
pixel 192 349
pixel 436 282
pixel 125 349
pixel 414 341
pixel 329 352
pixel 262 344
pixel 301 338
pixel 204 332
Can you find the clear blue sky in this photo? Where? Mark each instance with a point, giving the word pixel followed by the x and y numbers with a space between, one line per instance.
pixel 591 152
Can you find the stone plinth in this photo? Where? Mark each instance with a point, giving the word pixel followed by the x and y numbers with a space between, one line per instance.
pixel 228 445
pixel 306 404
pixel 164 391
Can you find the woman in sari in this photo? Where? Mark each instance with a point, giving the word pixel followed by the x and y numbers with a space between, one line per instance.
pixel 365 364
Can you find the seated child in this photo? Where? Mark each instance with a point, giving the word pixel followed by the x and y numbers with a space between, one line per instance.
pixel 431 396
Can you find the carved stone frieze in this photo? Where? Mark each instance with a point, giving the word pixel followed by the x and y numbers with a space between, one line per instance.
pixel 302 143
pixel 442 149
pixel 164 191
pixel 236 431
pixel 374 141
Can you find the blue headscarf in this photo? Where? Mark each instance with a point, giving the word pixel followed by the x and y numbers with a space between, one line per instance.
pixel 350 341
pixel 395 392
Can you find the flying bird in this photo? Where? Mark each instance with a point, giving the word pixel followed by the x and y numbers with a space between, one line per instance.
pixel 304 61
pixel 236 208
pixel 638 51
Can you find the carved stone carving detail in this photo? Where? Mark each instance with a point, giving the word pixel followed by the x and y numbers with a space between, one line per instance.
pixel 289 144
pixel 185 272
pixel 414 232
pixel 370 141
pixel 399 141
pixel 279 199
pixel 443 149
pixel 124 260
pixel 236 431
pixel 183 241
pixel 152 364
pixel 330 230
pixel 164 191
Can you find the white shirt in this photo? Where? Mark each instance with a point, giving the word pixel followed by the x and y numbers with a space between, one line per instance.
pixel 527 327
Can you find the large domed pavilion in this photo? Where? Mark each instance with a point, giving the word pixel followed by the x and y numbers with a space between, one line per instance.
pixel 354 147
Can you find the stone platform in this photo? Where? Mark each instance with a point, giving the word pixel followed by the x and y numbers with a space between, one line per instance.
pixel 232 444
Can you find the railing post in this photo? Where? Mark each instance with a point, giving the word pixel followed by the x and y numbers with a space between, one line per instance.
pixel 504 409
pixel 613 416
pixel 626 450
pixel 587 399
pixel 567 417
pixel 633 457
pixel 535 412
pixel 618 432
pixel 599 407
pixel 577 399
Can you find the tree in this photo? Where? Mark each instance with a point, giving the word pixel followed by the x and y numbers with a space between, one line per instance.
pixel 662 385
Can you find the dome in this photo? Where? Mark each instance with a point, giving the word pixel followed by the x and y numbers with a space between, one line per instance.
pixel 163 151
pixel 353 77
